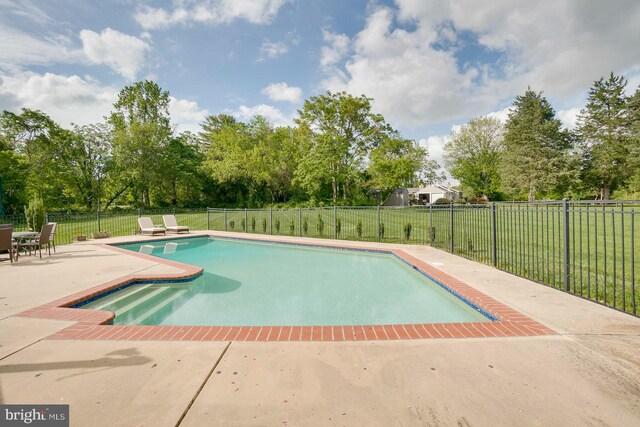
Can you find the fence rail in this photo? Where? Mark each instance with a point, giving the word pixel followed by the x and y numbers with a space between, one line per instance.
pixel 587 248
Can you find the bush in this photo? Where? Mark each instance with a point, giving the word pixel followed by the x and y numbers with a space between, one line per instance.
pixel 277 225
pixel 442 201
pixel 242 224
pixel 232 224
pixel 381 230
pixel 359 228
pixel 338 226
pixel 264 225
pixel 35 214
pixel 253 223
pixel 476 199
pixel 407 231
pixel 459 201
pixel 320 224
pixel 292 226
pixel 305 225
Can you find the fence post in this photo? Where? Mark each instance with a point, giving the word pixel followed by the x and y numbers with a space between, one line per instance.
pixel 271 220
pixel 379 223
pixel 567 271
pixel 208 220
pixel 246 225
pixel 335 222
pixel 99 230
pixel 139 212
pixel 225 219
pixel 451 225
pixel 46 218
pixel 299 222
pixel 494 236
pixel 432 235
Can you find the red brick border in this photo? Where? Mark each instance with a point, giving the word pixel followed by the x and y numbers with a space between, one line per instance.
pixel 94 324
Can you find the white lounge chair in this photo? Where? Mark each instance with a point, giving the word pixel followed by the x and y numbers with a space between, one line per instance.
pixel 147 227
pixel 172 225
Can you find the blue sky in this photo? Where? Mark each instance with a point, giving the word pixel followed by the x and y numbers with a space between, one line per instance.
pixel 429 65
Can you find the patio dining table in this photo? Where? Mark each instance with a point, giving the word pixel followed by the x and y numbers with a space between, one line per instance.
pixel 23 235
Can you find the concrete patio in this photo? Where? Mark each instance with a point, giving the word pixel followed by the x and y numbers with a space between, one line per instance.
pixel 589 373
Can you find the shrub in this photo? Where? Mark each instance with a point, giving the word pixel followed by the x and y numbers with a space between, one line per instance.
pixel 292 226
pixel 338 226
pixel 460 201
pixel 359 228
pixel 35 214
pixel 264 225
pixel 320 224
pixel 442 201
pixel 382 230
pixel 232 224
pixel 243 224
pixel 253 223
pixel 305 225
pixel 277 225
pixel 480 200
pixel 407 231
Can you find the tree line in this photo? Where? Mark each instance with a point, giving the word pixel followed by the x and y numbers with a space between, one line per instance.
pixel 532 156
pixel 337 152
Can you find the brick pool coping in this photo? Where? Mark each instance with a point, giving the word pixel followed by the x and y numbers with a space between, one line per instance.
pixel 94 324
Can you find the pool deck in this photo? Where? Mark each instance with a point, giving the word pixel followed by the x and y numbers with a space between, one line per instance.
pixel 588 372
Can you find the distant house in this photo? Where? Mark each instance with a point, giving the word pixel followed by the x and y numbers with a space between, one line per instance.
pixel 431 193
pixel 425 195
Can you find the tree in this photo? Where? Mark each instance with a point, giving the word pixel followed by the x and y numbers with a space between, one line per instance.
pixel 535 147
pixel 142 130
pixel 472 155
pixel 181 178
pixel 399 162
pixel 633 106
pixel 603 128
pixel 343 131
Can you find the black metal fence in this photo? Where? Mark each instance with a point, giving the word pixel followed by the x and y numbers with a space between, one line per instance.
pixel 587 248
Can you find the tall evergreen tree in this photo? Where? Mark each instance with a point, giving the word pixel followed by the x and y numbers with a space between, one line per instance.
pixel 535 147
pixel 603 129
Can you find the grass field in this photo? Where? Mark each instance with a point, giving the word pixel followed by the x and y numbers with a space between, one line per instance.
pixel 603 240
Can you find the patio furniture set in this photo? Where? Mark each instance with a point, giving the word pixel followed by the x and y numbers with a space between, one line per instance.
pixel 27 241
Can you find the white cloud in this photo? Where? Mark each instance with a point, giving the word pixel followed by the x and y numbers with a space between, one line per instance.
pixel 74 99
pixel 186 114
pixel 569 118
pixel 18 49
pixel 418 75
pixel 501 115
pixel 272 50
pixel 123 53
pixel 67 99
pixel 283 92
pixel 212 12
pixel 272 113
pixel 337 47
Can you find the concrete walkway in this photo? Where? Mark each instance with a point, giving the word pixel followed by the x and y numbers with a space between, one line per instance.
pixel 588 374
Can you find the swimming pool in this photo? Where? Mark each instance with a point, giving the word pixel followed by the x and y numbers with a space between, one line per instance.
pixel 248 283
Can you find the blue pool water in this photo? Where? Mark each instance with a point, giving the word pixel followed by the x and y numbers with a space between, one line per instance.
pixel 255 283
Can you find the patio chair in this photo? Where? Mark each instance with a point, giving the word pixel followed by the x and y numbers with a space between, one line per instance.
pixel 146 226
pixel 38 242
pixel 171 224
pixel 7 243
pixel 52 240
